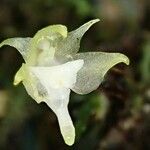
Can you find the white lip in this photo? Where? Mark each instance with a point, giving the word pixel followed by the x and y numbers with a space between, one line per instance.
pixel 61 76
pixel 58 80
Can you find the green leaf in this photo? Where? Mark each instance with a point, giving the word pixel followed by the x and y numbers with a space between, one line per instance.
pixel 145 62
pixel 96 64
pixel 21 44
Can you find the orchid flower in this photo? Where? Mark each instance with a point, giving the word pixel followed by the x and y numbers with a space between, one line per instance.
pixel 53 68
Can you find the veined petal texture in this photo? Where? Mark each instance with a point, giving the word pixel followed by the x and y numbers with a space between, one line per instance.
pixel 71 44
pixel 21 44
pixel 96 64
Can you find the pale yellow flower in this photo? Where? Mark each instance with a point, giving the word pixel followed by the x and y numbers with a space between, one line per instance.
pixel 53 68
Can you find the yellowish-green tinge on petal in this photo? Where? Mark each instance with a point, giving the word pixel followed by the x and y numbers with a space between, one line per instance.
pixel 53 68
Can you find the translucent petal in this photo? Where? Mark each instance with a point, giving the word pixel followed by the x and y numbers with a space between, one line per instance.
pixel 46 41
pixel 61 76
pixel 57 82
pixel 96 64
pixel 71 44
pixel 56 98
pixel 21 44
pixel 19 76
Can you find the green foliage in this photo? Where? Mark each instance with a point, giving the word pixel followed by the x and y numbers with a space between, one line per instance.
pixel 145 63
pixel 96 105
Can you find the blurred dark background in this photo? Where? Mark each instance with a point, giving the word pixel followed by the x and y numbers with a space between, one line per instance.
pixel 114 117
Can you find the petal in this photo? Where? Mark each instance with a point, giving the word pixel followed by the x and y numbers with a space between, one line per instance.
pixel 57 100
pixel 30 82
pixel 46 41
pixel 61 76
pixel 55 83
pixel 21 44
pixel 52 85
pixel 19 76
pixel 71 44
pixel 96 64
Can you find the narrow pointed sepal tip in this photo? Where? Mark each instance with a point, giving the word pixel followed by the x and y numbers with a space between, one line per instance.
pixel 95 20
pixel 15 83
pixel 126 59
pixel 2 44
pixel 91 22
pixel 17 80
